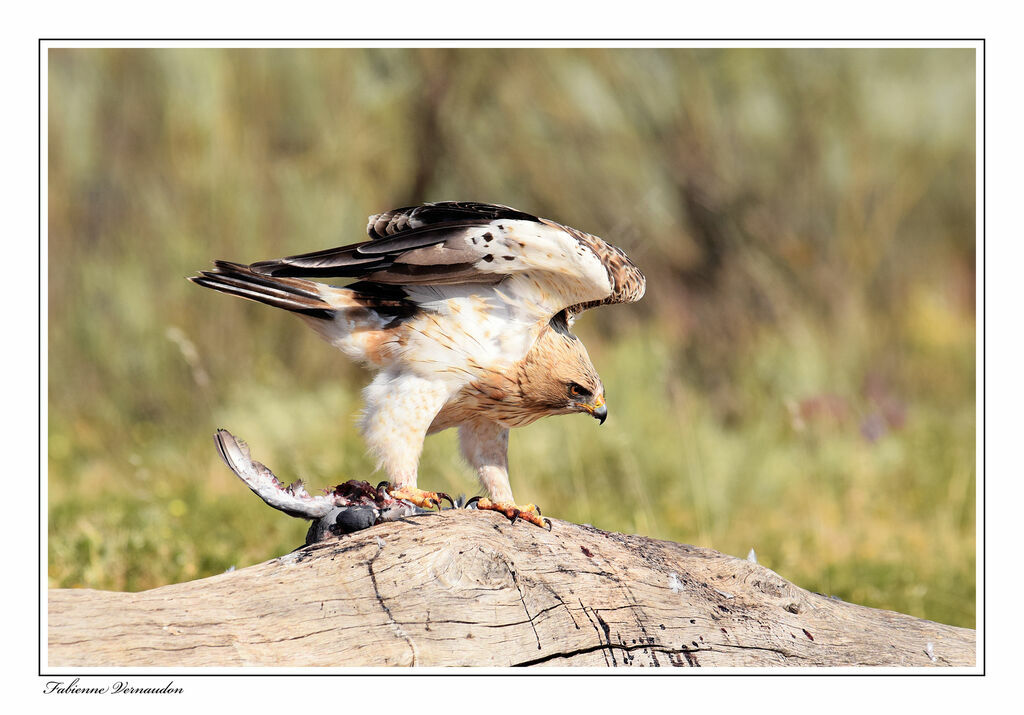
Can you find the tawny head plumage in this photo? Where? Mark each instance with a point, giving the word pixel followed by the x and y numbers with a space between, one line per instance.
pixel 557 376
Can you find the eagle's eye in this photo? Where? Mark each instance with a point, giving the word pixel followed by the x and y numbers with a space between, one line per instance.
pixel 576 390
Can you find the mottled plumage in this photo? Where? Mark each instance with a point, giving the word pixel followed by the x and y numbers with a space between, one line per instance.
pixel 465 311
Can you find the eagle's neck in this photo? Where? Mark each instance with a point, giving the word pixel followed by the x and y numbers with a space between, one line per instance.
pixel 516 395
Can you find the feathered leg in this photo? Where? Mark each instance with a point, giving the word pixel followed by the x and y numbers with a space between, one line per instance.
pixel 399 409
pixel 485 446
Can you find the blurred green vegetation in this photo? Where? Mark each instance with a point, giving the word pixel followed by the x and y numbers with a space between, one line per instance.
pixel 799 380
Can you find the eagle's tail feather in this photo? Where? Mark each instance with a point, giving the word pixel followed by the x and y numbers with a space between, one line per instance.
pixel 293 294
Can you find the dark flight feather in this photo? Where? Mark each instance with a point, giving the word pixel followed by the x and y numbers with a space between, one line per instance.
pixel 289 294
pixel 393 234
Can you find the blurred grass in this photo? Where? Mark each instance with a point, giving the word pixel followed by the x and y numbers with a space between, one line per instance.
pixel 800 378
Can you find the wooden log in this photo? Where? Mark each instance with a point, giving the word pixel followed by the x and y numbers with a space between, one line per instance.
pixel 470 588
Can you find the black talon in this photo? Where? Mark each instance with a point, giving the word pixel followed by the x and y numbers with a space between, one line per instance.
pixel 548 522
pixel 442 495
pixel 515 515
pixel 473 500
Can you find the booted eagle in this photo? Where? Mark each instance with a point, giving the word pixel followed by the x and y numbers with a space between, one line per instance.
pixel 464 309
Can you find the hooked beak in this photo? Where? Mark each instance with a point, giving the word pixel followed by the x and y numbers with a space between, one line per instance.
pixel 598 410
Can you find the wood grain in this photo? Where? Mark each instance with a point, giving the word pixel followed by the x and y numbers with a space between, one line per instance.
pixel 469 588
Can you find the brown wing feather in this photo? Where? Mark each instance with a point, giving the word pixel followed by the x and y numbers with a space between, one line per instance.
pixel 628 283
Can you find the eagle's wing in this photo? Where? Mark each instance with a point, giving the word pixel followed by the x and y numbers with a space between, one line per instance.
pixel 546 265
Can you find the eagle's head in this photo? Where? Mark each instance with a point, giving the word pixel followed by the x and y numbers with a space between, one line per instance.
pixel 558 378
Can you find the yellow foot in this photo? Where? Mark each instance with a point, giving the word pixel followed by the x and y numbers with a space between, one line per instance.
pixel 422 499
pixel 530 512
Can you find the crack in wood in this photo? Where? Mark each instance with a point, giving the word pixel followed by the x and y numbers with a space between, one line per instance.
pixel 478 624
pixel 609 647
pixel 605 653
pixel 195 646
pixel 522 599
pixel 568 610
pixel 380 599
pixel 607 636
pixel 640 616
pixel 766 649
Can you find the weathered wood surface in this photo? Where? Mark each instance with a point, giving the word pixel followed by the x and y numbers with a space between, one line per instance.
pixel 469 588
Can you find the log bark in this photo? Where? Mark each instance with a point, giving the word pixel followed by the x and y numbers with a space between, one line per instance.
pixel 469 588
